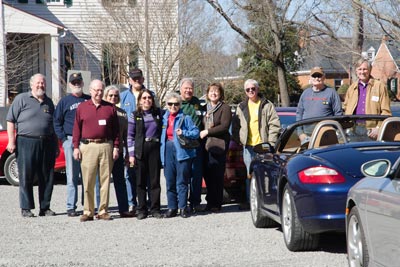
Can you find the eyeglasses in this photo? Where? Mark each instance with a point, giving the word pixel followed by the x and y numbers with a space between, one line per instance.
pixel 146 98
pixel 250 89
pixel 173 104
pixel 76 83
pixel 317 75
pixel 110 95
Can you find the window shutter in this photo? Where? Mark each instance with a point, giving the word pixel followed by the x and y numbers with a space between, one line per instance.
pixel 68 2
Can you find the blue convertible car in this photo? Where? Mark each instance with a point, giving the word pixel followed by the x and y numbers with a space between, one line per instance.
pixel 302 183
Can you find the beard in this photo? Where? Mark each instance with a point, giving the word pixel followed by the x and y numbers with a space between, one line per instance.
pixel 40 92
pixel 76 90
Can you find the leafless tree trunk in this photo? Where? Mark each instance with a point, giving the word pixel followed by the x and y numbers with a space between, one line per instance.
pixel 274 53
pixel 358 33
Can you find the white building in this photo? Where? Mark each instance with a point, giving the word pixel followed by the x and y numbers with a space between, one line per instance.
pixel 105 37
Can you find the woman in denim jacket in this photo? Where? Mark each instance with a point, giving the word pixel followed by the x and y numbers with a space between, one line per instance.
pixel 175 159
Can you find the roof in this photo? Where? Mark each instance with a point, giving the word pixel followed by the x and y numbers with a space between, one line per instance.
pixel 332 65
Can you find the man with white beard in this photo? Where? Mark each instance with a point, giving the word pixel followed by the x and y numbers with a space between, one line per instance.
pixel 64 118
pixel 35 145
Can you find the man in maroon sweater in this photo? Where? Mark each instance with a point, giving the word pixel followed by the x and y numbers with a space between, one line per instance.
pixel 95 139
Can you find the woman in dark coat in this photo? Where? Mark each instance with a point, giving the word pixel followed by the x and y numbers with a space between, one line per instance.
pixel 216 133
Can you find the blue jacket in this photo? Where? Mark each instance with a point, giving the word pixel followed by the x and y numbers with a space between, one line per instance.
pixel 189 129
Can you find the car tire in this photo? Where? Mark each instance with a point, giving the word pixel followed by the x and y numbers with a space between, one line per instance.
pixel 296 239
pixel 259 220
pixel 357 249
pixel 11 170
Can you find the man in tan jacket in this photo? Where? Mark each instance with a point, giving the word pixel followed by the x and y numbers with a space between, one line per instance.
pixel 367 96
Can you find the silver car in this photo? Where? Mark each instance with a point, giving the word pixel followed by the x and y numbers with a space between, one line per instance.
pixel 373 216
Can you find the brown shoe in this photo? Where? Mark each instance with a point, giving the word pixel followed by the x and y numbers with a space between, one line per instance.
pixel 85 218
pixel 127 214
pixel 104 216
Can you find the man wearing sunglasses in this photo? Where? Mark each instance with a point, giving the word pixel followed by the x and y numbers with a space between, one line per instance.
pixel 64 117
pixel 256 122
pixel 317 101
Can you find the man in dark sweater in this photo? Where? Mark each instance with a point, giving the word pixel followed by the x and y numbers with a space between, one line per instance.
pixel 192 107
pixel 317 101
pixel 64 117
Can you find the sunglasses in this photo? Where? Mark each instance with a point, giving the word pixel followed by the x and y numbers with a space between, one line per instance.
pixel 173 104
pixel 146 98
pixel 111 95
pixel 250 89
pixel 317 75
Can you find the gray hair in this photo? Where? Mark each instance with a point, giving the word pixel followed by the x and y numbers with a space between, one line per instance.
pixel 251 81
pixel 108 89
pixel 34 77
pixel 173 95
pixel 184 80
pixel 361 61
pixel 95 81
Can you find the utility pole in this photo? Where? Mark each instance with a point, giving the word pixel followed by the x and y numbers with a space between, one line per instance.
pixel 3 60
pixel 147 40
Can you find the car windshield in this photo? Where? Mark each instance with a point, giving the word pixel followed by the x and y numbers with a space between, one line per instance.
pixel 322 132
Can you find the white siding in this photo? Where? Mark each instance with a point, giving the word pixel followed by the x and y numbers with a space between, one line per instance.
pixel 90 25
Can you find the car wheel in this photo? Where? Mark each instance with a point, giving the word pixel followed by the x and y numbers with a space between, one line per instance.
pixel 11 170
pixel 259 220
pixel 294 235
pixel 357 249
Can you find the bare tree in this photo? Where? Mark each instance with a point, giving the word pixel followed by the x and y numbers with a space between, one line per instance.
pixel 274 19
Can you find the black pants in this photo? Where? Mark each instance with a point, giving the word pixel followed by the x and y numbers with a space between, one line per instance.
pixel 148 172
pixel 214 171
pixel 35 157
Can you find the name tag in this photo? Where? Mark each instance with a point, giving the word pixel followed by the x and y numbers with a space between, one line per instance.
pixel 102 122
pixel 375 98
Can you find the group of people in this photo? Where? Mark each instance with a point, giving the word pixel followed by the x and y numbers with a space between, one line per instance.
pixel 128 137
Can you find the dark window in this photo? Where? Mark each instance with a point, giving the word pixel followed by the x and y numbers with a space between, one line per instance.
pixel 66 59
pixel 117 60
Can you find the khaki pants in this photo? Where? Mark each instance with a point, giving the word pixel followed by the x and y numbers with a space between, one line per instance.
pixel 96 160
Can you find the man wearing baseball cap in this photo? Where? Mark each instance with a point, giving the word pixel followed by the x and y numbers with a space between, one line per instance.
pixel 317 101
pixel 128 100
pixel 64 117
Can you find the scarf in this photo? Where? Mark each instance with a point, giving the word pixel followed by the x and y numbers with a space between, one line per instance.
pixel 209 118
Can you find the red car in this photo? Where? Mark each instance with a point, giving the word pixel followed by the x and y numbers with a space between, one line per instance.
pixel 8 162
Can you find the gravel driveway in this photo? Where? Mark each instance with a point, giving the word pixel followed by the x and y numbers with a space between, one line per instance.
pixel 224 239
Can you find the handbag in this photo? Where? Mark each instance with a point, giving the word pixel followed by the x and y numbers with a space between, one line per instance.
pixel 215 145
pixel 186 142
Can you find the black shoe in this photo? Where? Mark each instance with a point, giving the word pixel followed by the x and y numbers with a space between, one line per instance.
pixel 72 213
pixel 171 213
pixel 183 213
pixel 141 216
pixel 195 209
pixel 156 214
pixel 47 212
pixel 27 213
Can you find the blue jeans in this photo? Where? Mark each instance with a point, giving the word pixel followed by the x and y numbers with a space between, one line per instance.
pixel 73 172
pixel 177 174
pixel 248 155
pixel 196 177
pixel 130 180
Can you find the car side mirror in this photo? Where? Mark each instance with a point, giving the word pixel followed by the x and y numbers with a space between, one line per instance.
pixel 264 148
pixel 376 168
